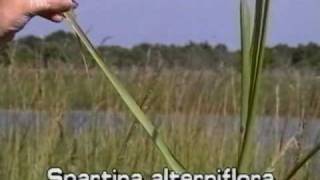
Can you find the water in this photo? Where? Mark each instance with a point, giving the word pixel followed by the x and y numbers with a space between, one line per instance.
pixel 267 127
pixel 269 130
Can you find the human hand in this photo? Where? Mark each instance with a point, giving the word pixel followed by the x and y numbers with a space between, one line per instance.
pixel 15 14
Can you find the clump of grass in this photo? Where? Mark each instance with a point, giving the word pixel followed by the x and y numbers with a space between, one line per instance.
pixel 126 97
pixel 253 45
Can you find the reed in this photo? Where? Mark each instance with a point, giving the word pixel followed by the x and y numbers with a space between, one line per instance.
pixel 253 45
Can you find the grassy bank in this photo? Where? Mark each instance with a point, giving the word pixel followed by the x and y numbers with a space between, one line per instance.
pixel 183 97
pixel 288 93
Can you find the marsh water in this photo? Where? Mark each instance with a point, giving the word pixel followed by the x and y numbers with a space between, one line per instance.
pixel 266 126
pixel 270 130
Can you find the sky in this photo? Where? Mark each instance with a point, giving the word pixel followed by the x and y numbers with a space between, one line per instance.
pixel 130 22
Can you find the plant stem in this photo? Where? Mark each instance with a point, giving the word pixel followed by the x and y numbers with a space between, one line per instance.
pixel 256 53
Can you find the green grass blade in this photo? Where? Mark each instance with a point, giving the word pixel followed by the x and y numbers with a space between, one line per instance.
pixel 126 97
pixel 256 53
pixel 246 33
pixel 303 161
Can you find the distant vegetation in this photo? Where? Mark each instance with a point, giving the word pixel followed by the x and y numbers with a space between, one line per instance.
pixel 62 48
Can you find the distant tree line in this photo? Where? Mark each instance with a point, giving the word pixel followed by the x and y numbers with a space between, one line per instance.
pixel 60 48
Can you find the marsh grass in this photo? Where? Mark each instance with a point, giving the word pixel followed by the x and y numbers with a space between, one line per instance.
pixel 252 54
pixel 28 89
pixel 193 124
pixel 253 45
pixel 93 147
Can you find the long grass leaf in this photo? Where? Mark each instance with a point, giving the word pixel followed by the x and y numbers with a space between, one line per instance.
pixel 246 34
pixel 126 97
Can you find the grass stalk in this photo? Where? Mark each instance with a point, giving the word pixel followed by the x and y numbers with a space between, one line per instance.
pixel 245 22
pixel 256 56
pixel 126 97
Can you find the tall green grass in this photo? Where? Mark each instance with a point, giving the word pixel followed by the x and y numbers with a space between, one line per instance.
pixel 253 45
pixel 252 54
pixel 193 124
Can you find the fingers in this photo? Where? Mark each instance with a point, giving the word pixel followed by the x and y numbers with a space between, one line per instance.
pixel 57 18
pixel 37 7
pixel 54 17
pixel 51 9
pixel 17 13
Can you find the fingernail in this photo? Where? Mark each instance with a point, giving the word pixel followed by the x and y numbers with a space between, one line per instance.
pixel 75 4
pixel 58 18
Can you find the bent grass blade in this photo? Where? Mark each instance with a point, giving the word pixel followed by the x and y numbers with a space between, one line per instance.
pixel 126 97
pixel 302 162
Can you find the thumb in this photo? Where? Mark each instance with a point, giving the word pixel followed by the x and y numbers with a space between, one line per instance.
pixel 36 7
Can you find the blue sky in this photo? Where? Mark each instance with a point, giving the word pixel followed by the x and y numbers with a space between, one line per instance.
pixel 130 22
